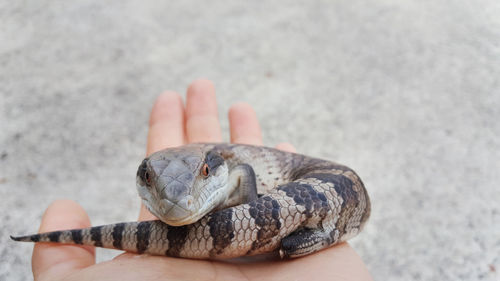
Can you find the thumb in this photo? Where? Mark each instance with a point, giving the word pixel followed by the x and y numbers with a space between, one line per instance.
pixel 52 261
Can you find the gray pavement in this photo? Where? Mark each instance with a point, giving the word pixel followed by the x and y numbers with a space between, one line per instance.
pixel 405 92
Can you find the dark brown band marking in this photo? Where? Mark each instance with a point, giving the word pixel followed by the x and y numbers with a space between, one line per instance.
pixel 221 229
pixel 95 235
pixel 342 185
pixel 344 188
pixel 315 203
pixel 35 238
pixel 143 234
pixel 76 235
pixel 265 211
pixel 117 235
pixel 176 236
pixel 54 236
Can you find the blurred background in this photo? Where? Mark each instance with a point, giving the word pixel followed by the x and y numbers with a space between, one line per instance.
pixel 405 92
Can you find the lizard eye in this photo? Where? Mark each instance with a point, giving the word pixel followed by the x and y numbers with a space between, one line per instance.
pixel 143 173
pixel 147 177
pixel 205 170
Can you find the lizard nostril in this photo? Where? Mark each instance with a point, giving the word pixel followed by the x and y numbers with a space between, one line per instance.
pixel 186 203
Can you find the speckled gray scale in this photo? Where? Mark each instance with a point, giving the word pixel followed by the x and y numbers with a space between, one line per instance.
pixel 306 204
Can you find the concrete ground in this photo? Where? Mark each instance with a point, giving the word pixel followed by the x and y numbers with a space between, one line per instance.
pixel 405 92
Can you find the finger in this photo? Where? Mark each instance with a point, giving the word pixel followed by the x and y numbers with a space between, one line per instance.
pixel 166 129
pixel 244 125
pixel 202 122
pixel 52 261
pixel 285 146
pixel 166 123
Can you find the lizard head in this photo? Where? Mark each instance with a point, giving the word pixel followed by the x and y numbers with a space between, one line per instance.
pixel 181 185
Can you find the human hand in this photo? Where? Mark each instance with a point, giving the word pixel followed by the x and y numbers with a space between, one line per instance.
pixel 172 125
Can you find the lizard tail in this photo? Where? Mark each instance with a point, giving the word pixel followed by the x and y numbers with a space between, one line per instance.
pixel 129 236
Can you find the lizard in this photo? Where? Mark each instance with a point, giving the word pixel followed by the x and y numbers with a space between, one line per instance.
pixel 219 201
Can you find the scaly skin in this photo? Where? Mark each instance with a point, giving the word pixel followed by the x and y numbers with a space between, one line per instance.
pixel 306 204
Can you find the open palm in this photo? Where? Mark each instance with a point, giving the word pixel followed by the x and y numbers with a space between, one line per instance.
pixel 172 124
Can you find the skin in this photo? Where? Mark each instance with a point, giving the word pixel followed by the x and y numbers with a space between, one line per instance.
pixel 173 124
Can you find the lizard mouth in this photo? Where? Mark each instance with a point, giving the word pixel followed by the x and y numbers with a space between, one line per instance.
pixel 178 213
